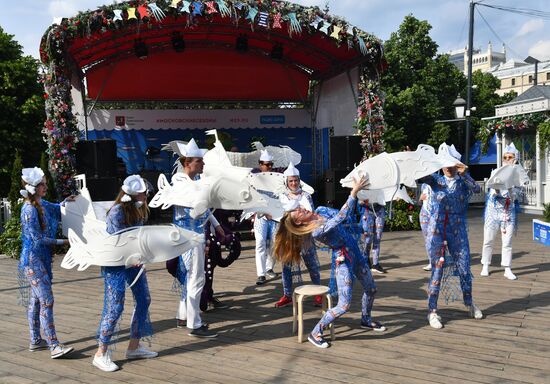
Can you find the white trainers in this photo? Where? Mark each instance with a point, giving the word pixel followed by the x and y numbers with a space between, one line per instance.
pixel 427 267
pixel 42 344
pixel 104 362
pixel 140 353
pixel 60 350
pixel 485 270
pixel 435 320
pixel 475 312
pixel 509 274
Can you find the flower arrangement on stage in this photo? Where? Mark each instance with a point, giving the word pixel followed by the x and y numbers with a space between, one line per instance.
pixel 370 115
pixel 516 124
pixel 60 129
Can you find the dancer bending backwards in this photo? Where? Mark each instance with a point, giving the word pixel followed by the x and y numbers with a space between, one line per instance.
pixel 447 230
pixel 39 220
pixel 328 227
pixel 501 207
pixel 293 198
pixel 129 210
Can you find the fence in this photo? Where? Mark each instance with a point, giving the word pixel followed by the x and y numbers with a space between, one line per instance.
pixel 5 212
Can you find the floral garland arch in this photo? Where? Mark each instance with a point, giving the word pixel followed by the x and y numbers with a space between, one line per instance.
pixel 60 128
pixel 517 124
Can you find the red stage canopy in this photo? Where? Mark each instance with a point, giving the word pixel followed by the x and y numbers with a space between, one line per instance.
pixel 210 67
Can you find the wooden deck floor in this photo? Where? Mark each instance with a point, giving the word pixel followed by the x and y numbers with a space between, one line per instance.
pixel 511 344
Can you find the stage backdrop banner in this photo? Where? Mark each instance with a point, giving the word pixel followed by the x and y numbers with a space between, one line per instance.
pixel 107 120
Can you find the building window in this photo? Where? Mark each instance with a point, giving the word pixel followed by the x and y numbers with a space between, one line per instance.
pixel 530 79
pixel 513 82
pixel 547 75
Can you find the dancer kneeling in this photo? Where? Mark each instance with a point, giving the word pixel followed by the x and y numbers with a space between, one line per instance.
pixel 328 227
pixel 129 210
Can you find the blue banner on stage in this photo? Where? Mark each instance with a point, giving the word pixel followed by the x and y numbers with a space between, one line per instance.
pixel 541 232
pixel 272 119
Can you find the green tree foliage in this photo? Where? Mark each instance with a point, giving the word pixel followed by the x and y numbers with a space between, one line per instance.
pixel 16 185
pixel 21 108
pixel 51 194
pixel 420 85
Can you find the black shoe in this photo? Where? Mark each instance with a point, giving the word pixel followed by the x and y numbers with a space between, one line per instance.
pixel 374 325
pixel 203 331
pixel 261 280
pixel 270 274
pixel 216 304
pixel 319 343
pixel 377 268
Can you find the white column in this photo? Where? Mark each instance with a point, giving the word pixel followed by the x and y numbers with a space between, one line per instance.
pixel 540 158
pixel 500 137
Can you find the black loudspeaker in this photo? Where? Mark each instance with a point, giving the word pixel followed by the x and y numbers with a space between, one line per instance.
pixel 345 151
pixel 103 188
pixel 334 194
pixel 96 158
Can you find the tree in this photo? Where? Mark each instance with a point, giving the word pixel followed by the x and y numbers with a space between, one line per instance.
pixel 21 108
pixel 16 184
pixel 420 86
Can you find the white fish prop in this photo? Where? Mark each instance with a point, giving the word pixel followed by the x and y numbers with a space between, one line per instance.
pixel 132 246
pixel 273 182
pixel 199 195
pixel 414 165
pixel 381 171
pixel 508 176
pixel 382 196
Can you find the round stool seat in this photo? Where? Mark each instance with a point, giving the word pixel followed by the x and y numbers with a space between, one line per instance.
pixel 311 290
pixel 298 296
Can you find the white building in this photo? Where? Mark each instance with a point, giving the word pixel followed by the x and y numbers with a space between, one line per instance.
pixel 482 61
pixel 518 76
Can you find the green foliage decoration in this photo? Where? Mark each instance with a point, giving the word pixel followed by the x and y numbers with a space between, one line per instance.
pixel 16 185
pixel 546 212
pixel 10 238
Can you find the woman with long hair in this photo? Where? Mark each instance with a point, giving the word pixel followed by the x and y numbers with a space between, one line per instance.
pixel 328 226
pixel 129 210
pixel 39 220
pixel 295 197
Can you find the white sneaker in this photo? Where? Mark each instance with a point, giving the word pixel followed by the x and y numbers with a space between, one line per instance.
pixel 427 267
pixel 140 353
pixel 104 362
pixel 485 270
pixel 508 274
pixel 60 350
pixel 435 320
pixel 475 312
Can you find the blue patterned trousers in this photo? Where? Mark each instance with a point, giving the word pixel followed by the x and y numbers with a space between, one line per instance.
pixel 116 279
pixel 344 281
pixel 312 263
pixel 40 311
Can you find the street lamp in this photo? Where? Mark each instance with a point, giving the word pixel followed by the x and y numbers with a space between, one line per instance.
pixel 460 107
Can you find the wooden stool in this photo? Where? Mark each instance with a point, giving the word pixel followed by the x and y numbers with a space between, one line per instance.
pixel 298 308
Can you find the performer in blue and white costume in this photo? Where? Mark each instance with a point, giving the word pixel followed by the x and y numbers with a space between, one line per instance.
pixel 447 230
pixel 426 194
pixel 373 219
pixel 129 210
pixel 293 198
pixel 501 208
pixel 328 226
pixel 39 220
pixel 264 231
pixel 190 271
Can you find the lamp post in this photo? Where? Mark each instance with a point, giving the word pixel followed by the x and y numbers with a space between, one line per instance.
pixel 460 109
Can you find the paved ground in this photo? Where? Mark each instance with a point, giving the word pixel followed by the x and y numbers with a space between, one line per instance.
pixel 511 344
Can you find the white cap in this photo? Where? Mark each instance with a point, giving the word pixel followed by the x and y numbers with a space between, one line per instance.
pixel 449 150
pixel 291 171
pixel 511 148
pixel 132 186
pixel 191 149
pixel 265 155
pixel 32 177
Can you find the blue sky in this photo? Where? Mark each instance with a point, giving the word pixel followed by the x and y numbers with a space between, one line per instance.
pixel 28 19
